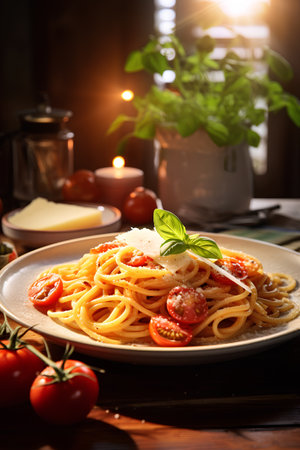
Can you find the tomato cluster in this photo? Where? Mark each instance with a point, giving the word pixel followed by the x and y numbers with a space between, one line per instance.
pixel 62 392
pixel 186 307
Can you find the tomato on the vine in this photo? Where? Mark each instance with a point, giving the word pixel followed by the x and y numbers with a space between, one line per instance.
pixel 18 368
pixel 45 291
pixel 64 395
pixel 81 186
pixel 231 265
pixel 139 206
pixel 187 305
pixel 166 332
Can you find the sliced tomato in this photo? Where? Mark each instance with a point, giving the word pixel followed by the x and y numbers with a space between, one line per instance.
pixel 102 248
pixel 252 265
pixel 140 261
pixel 166 332
pixel 187 305
pixel 46 290
pixel 234 266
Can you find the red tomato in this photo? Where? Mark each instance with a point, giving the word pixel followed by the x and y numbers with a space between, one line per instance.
pixel 81 186
pixel 139 206
pixel 167 332
pixel 187 305
pixel 18 368
pixel 45 291
pixel 102 248
pixel 68 400
pixel 140 260
pixel 233 266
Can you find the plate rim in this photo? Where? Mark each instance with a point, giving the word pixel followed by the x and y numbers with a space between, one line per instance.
pixel 209 351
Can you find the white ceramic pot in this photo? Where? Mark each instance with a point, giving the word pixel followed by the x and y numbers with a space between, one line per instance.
pixel 199 181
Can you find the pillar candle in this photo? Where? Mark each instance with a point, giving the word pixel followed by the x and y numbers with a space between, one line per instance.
pixel 115 183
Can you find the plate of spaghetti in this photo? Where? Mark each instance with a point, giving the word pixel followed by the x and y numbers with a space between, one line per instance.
pixel 122 300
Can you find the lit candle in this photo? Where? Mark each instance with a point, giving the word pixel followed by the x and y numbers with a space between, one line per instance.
pixel 117 182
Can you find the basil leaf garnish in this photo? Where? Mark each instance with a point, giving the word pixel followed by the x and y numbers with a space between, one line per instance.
pixel 205 247
pixel 172 247
pixel 170 228
pixel 168 225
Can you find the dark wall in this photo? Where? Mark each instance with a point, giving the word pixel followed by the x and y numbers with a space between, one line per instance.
pixel 282 178
pixel 74 51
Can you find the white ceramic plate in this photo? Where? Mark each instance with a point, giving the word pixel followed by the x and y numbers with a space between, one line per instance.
pixel 19 274
pixel 111 221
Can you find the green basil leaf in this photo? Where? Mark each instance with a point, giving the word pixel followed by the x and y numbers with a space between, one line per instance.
pixel 253 138
pixel 293 110
pixel 279 65
pixel 218 132
pixel 145 130
pixel 172 247
pixel 168 225
pixel 134 62
pixel 205 247
pixel 118 122
pixel 155 62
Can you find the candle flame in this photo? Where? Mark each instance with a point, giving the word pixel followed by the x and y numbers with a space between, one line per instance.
pixel 127 95
pixel 118 162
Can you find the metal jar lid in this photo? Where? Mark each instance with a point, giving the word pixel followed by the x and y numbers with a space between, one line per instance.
pixel 44 119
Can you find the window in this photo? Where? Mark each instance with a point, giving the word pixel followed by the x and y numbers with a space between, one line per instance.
pixel 247 18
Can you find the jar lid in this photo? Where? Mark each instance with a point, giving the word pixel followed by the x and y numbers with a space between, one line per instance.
pixel 44 119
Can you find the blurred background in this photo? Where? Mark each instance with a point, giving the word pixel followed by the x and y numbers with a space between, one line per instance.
pixel 74 51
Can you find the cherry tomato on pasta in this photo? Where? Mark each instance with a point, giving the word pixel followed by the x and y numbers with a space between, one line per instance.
pixel 231 265
pixel 166 332
pixel 18 368
pixel 187 305
pixel 68 399
pixel 45 291
pixel 139 206
pixel 252 265
pixel 102 248
pixel 140 261
pixel 81 186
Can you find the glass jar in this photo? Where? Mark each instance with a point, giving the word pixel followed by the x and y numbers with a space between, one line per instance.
pixel 42 154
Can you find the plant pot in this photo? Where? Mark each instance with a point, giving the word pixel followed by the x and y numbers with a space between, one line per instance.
pixel 199 181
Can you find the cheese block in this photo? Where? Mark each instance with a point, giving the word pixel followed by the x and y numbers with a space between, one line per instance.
pixel 45 215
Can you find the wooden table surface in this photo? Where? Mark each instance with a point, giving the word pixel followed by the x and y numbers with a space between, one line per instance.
pixel 251 402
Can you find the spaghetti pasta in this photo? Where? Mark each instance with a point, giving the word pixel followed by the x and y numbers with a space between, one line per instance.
pixel 112 292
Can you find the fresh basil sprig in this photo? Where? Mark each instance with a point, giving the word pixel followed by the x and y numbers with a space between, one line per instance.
pixel 170 228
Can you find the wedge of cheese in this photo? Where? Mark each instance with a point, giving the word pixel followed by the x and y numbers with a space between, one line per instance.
pixel 45 215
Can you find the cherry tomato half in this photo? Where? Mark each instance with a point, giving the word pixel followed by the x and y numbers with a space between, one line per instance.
pixel 18 369
pixel 67 401
pixel 104 247
pixel 45 291
pixel 187 305
pixel 231 265
pixel 139 206
pixel 81 186
pixel 167 332
pixel 140 261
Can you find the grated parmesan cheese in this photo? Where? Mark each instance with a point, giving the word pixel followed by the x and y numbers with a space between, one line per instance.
pixel 149 242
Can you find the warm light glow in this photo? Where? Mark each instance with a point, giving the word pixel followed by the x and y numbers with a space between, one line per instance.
pixel 236 8
pixel 118 162
pixel 127 95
